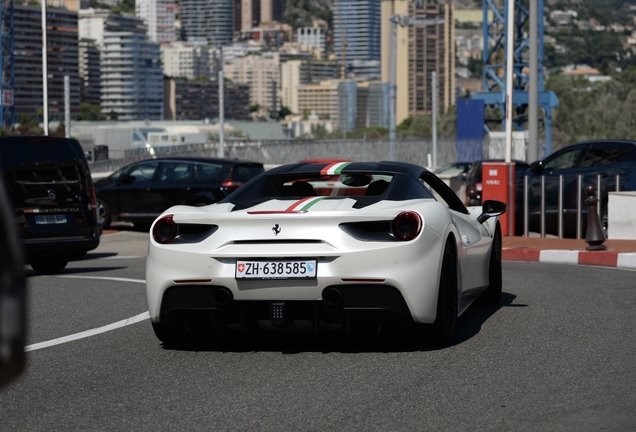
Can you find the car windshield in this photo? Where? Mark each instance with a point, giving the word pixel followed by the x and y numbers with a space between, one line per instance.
pixel 366 188
pixel 42 161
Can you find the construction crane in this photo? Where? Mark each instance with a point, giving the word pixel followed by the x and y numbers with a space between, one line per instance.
pixel 494 94
pixel 7 63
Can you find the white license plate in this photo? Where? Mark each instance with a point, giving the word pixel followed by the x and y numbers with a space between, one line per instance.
pixel 285 269
pixel 50 219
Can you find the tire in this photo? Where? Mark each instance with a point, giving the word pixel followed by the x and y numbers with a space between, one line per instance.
pixel 49 266
pixel 492 294
pixel 103 212
pixel 443 329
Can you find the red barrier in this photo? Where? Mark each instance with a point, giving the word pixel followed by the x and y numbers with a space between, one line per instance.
pixel 498 183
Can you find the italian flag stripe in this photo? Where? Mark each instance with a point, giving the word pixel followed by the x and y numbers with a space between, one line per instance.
pixel 334 168
pixel 304 204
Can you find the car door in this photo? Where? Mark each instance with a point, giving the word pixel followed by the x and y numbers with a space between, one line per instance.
pixel 133 190
pixel 174 184
pixel 474 237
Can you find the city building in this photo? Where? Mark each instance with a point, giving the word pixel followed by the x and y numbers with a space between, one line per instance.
pixel 347 105
pixel 262 73
pixel 199 100
pixel 209 20
pixel 254 13
pixel 159 16
pixel 312 39
pixel 378 100
pixel 131 73
pixel 357 30
pixel 187 60
pixel 296 72
pixel 421 50
pixel 90 72
pixel 241 49
pixel 319 98
pixel 62 60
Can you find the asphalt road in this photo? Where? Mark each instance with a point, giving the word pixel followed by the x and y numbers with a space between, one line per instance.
pixel 557 354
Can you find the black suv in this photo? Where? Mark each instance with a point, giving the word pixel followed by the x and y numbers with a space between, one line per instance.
pixel 50 186
pixel 140 192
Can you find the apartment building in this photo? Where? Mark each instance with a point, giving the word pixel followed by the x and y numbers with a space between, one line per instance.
pixel 207 20
pixel 262 73
pixel 297 72
pixel 62 59
pixel 90 72
pixel 159 16
pixel 198 100
pixel 131 73
pixel 357 30
pixel 420 51
pixel 187 60
pixel 320 98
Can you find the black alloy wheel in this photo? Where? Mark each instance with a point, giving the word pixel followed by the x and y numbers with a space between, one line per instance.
pixel 103 212
pixel 447 299
pixel 492 294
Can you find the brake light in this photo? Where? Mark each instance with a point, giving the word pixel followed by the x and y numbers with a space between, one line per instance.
pixel 407 225
pixel 164 230
pixel 229 183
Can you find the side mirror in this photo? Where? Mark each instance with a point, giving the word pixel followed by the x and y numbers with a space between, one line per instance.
pixel 461 177
pixel 126 179
pixel 491 208
pixel 536 167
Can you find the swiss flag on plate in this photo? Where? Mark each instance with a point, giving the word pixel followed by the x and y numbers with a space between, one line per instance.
pixel 241 268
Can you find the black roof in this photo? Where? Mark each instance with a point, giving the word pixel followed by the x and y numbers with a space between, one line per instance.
pixel 410 169
pixel 226 161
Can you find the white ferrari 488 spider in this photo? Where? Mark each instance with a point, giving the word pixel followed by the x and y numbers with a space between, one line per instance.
pixel 341 246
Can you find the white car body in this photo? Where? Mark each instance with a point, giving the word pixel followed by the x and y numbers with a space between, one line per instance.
pixel 271 231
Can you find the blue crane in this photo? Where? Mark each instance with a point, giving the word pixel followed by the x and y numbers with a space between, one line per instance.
pixel 7 63
pixel 494 67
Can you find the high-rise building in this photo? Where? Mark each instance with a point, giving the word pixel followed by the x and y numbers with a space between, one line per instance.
pixel 131 73
pixel 297 72
pixel 257 12
pixel 421 50
pixel 198 100
pixel 357 30
pixel 209 20
pixel 262 73
pixel 321 99
pixel 312 38
pixel 347 105
pixel 159 16
pixel 90 72
pixel 187 60
pixel 62 59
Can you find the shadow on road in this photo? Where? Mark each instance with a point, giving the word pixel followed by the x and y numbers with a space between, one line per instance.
pixel 406 340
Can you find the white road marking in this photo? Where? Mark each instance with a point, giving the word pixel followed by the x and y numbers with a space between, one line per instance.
pixel 104 278
pixel 88 333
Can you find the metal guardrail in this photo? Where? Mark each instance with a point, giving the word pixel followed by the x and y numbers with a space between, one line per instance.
pixel 278 152
pixel 560 208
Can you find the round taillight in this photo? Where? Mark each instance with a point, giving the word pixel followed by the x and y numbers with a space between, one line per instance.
pixel 165 230
pixel 407 225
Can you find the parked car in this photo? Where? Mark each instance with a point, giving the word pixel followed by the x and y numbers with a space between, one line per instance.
pixel 454 169
pixel 277 254
pixel 50 187
pixel 141 191
pixel 473 177
pixel 608 158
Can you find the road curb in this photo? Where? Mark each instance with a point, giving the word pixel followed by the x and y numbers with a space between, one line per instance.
pixel 597 258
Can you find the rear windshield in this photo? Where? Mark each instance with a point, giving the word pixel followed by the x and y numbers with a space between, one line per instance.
pixel 366 188
pixel 42 161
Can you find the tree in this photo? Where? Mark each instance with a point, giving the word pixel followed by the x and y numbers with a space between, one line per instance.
pixel 91 112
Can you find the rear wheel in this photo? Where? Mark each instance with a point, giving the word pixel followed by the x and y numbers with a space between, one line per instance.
pixel 492 295
pixel 447 299
pixel 103 212
pixel 50 265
